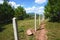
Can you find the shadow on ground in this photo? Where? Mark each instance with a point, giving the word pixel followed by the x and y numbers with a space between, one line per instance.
pixel 2 27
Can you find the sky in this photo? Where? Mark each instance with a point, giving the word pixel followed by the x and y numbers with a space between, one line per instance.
pixel 35 6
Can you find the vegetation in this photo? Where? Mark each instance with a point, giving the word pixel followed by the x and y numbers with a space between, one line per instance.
pixel 31 15
pixel 53 30
pixel 20 13
pixel 6 12
pixel 52 10
pixel 23 25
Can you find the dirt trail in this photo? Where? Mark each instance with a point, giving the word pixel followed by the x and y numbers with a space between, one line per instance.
pixel 42 33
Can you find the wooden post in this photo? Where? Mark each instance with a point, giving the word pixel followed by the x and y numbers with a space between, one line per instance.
pixel 35 22
pixel 15 29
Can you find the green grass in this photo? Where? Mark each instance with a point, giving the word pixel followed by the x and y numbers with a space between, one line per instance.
pixel 53 31
pixel 23 25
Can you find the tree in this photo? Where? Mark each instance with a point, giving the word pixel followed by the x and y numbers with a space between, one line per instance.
pixel 20 13
pixel 6 0
pixel 6 12
pixel 52 10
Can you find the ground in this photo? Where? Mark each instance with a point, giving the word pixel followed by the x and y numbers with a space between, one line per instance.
pixel 7 30
pixel 41 33
pixel 23 25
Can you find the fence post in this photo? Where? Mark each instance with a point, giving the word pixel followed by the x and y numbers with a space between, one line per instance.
pixel 15 28
pixel 35 22
pixel 39 19
pixel 43 18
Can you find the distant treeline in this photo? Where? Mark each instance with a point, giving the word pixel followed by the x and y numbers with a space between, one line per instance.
pixel 32 15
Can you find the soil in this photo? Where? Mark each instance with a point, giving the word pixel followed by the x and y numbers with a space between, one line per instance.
pixel 41 34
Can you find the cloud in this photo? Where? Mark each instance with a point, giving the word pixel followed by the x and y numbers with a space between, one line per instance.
pixel 40 1
pixel 35 9
pixel 12 3
pixel 1 2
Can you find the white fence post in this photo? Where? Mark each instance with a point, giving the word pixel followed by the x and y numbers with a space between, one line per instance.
pixel 39 19
pixel 43 18
pixel 35 22
pixel 15 28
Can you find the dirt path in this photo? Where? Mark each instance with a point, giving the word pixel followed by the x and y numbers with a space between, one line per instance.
pixel 42 33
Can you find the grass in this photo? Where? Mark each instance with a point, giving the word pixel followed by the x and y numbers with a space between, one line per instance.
pixel 23 25
pixel 53 30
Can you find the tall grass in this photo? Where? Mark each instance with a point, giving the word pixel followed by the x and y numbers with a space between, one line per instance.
pixel 53 30
pixel 23 25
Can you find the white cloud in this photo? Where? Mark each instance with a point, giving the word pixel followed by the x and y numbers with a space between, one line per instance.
pixel 35 9
pixel 40 1
pixel 1 2
pixel 12 3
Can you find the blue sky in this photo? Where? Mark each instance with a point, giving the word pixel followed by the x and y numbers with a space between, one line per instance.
pixel 36 6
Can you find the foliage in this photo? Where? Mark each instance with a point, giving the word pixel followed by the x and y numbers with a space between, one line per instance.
pixel 52 10
pixel 6 12
pixel 20 12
